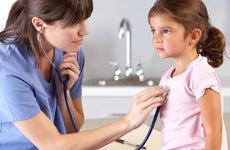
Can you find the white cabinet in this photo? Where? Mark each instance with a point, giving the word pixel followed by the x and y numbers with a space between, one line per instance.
pixel 226 95
pixel 107 102
pixel 105 106
pixel 226 104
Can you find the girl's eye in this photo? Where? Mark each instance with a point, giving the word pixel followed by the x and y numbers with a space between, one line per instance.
pixel 153 31
pixel 166 31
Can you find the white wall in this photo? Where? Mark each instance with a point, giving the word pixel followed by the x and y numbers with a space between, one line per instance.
pixel 4 7
pixel 103 45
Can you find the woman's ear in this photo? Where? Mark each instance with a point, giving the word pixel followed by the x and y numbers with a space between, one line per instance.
pixel 195 36
pixel 38 24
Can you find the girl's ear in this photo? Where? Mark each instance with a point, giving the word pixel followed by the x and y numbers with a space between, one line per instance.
pixel 38 24
pixel 195 36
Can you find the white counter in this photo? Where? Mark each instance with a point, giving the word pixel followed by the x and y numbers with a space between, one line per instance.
pixel 111 91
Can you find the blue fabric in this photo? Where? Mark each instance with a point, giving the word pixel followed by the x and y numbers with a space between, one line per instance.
pixel 24 93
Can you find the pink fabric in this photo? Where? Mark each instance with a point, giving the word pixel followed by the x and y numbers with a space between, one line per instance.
pixel 182 126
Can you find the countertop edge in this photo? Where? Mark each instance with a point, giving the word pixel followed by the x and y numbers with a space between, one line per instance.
pixel 124 91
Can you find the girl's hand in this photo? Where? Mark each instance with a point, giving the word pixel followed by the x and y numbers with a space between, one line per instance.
pixel 69 67
pixel 143 104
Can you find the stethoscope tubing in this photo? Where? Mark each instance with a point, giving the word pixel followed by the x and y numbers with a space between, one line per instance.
pixel 64 82
pixel 150 129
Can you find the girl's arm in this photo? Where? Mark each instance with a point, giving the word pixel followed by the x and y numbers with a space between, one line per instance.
pixel 43 134
pixel 210 105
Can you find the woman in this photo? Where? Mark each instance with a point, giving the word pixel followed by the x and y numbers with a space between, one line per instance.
pixel 40 50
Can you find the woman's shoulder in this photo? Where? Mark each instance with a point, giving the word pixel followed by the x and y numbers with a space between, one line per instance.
pixel 15 52
pixel 15 59
pixel 6 50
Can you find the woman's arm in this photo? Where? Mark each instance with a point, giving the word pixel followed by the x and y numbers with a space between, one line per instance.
pixel 44 135
pixel 42 132
pixel 210 105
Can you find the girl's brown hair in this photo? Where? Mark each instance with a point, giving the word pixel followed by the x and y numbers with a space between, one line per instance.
pixel 193 14
pixel 19 23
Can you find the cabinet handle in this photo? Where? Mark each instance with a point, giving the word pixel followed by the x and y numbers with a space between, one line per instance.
pixel 117 114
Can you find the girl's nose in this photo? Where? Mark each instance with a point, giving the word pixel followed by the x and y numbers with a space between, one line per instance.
pixel 157 38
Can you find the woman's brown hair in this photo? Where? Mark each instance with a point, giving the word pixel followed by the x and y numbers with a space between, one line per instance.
pixel 19 23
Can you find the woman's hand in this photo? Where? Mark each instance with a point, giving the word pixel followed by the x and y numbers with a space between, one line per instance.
pixel 143 104
pixel 69 67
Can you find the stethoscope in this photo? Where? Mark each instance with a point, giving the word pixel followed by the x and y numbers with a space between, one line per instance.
pixel 64 82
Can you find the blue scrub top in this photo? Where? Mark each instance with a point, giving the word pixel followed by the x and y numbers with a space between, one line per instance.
pixel 24 93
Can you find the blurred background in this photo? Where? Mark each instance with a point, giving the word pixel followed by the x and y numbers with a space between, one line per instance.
pixel 102 45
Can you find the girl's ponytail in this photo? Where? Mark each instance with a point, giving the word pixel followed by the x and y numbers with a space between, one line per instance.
pixel 213 47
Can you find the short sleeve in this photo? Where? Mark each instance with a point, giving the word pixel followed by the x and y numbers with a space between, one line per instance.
pixel 203 79
pixel 17 100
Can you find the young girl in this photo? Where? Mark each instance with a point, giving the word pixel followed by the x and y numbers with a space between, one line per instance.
pixel 192 118
pixel 43 38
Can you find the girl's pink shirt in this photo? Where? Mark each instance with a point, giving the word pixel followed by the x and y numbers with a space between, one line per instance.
pixel 182 125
